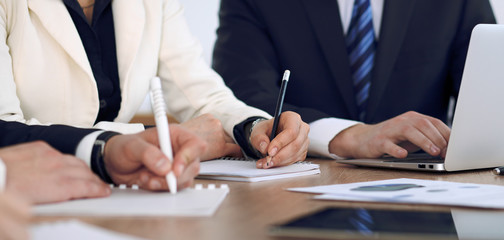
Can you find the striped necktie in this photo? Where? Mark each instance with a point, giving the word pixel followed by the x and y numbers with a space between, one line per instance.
pixel 360 42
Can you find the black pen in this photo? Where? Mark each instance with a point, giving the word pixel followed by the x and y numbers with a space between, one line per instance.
pixel 498 171
pixel 278 109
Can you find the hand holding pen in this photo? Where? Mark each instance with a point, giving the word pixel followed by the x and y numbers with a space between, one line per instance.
pixel 282 139
pixel 136 159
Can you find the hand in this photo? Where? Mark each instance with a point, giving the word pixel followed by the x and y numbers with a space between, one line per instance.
pixel 405 133
pixel 137 159
pixel 41 174
pixel 210 129
pixel 14 218
pixel 290 144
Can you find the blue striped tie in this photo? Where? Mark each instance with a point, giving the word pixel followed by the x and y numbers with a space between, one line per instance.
pixel 360 42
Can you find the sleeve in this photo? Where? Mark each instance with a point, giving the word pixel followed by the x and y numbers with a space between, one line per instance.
pixel 323 131
pixel 63 138
pixel 245 57
pixel 10 107
pixel 474 12
pixel 190 86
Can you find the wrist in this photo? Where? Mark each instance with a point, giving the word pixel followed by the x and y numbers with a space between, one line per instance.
pixel 98 156
pixel 345 142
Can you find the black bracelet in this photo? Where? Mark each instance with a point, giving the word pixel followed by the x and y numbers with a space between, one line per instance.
pixel 97 161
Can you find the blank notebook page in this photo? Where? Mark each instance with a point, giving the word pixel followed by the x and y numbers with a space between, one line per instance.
pixel 136 202
pixel 245 170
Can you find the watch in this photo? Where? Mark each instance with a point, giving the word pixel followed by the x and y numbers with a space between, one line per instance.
pixel 97 161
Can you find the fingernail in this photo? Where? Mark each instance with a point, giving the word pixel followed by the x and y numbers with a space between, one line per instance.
pixel 268 161
pixel 259 164
pixel 273 151
pixel 262 146
pixel 160 163
pixel 434 149
pixel 271 163
pixel 155 185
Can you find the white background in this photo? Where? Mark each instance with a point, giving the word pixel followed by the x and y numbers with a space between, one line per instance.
pixel 202 18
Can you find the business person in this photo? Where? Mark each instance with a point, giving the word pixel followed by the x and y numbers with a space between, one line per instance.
pixel 41 173
pixel 390 64
pixel 87 63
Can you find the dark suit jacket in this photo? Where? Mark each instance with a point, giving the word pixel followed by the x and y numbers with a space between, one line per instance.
pixel 63 138
pixel 420 57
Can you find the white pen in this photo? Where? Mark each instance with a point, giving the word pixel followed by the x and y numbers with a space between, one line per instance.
pixel 3 175
pixel 163 130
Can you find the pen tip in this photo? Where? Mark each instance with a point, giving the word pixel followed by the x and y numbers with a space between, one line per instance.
pixel 286 75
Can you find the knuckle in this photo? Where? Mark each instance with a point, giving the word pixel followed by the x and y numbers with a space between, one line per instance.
pixel 405 128
pixel 147 151
pixel 290 132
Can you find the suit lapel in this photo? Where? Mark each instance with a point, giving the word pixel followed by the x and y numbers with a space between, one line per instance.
pixel 56 20
pixel 326 21
pixel 129 23
pixel 396 15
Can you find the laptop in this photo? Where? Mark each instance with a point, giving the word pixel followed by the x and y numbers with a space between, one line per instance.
pixel 477 134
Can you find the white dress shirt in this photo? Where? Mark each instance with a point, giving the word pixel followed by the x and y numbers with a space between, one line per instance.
pixel 323 130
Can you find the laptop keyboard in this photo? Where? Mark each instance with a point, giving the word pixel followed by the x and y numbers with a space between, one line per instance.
pixel 415 158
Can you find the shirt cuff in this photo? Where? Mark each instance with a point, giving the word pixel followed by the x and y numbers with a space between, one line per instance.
pixel 124 128
pixel 323 131
pixel 85 147
pixel 3 175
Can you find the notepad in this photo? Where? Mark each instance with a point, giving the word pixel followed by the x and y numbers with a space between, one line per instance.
pixel 198 201
pixel 243 170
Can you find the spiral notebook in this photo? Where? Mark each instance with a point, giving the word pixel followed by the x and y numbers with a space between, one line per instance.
pixel 197 201
pixel 244 170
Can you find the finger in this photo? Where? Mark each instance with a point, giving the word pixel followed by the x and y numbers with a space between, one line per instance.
pixel 263 163
pixel 290 126
pixel 259 138
pixel 151 157
pixel 190 151
pixel 187 178
pixel 392 149
pixel 291 153
pixel 149 181
pixel 78 172
pixel 416 137
pixel 77 188
pixel 428 129
pixel 442 128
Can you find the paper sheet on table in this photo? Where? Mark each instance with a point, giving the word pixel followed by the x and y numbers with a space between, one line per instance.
pixel 135 202
pixel 74 230
pixel 404 190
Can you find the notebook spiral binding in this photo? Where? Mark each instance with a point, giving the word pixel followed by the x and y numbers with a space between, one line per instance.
pixel 253 160
pixel 196 187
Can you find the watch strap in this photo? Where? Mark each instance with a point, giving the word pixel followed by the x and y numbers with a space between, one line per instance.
pixel 97 160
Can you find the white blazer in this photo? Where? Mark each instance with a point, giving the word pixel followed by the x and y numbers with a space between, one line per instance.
pixel 46 78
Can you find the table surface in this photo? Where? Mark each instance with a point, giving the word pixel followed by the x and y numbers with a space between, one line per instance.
pixel 251 208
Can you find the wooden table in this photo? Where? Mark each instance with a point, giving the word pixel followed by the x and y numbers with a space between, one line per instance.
pixel 251 208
